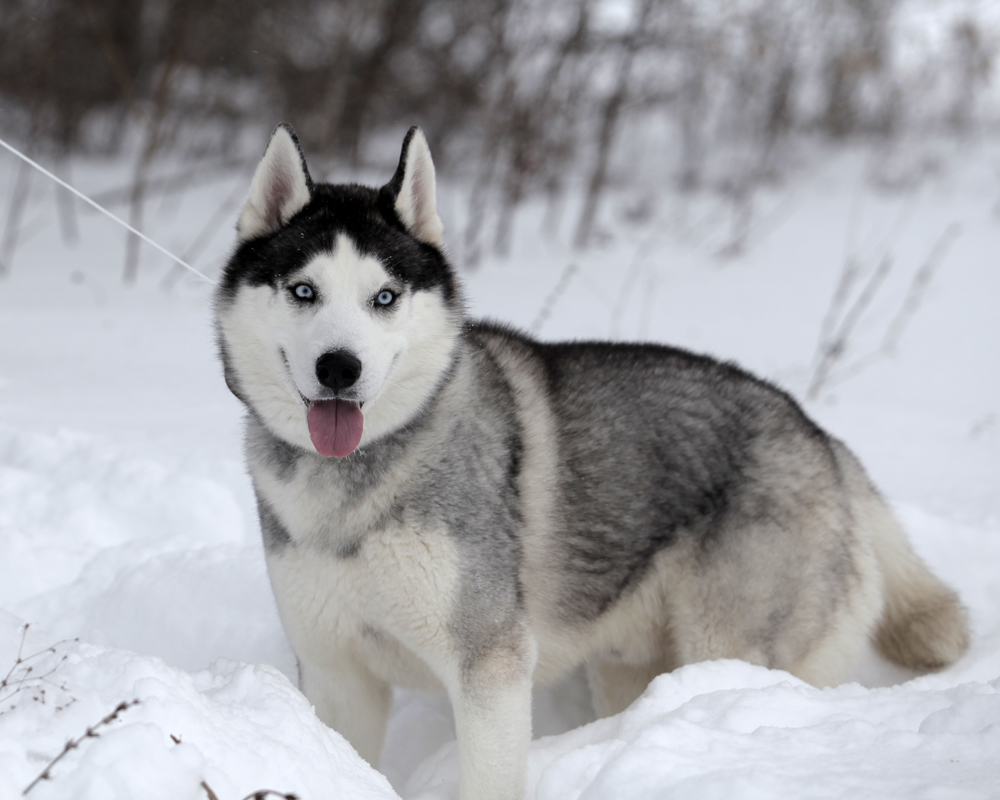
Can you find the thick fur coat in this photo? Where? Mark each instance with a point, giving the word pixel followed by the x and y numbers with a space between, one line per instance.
pixel 452 503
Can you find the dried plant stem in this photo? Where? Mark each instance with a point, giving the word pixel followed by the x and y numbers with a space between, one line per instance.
pixel 15 210
pixel 22 682
pixel 66 206
pixel 835 336
pixel 610 117
pixel 911 303
pixel 918 287
pixel 260 794
pixel 550 300
pixel 833 349
pixel 208 790
pixel 72 744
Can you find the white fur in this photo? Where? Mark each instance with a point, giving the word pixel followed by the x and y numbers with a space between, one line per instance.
pixel 402 351
pixel 360 624
pixel 382 616
pixel 279 189
pixel 364 617
pixel 416 202
pixel 404 581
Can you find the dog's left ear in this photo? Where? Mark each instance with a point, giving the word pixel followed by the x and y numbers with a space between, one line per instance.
pixel 412 190
pixel 281 186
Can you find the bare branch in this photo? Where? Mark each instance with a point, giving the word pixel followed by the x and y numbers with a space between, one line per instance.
pixel 918 287
pixel 568 273
pixel 72 744
pixel 15 211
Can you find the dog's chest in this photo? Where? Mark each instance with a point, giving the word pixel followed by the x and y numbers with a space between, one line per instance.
pixel 356 570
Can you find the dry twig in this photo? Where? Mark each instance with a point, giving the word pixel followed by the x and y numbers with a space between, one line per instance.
pixel 550 300
pixel 835 337
pixel 22 675
pixel 72 744
pixel 260 794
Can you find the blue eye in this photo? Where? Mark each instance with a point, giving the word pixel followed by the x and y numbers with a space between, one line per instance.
pixel 385 298
pixel 304 291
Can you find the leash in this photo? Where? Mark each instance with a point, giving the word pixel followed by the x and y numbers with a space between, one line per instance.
pixel 103 210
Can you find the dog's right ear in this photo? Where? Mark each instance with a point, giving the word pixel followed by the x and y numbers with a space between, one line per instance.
pixel 281 186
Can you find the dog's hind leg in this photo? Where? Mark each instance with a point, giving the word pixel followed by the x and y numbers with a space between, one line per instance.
pixel 351 700
pixel 614 686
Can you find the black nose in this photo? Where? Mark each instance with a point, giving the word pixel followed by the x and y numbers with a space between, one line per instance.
pixel 338 370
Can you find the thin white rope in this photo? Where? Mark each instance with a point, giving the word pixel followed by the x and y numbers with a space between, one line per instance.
pixel 103 210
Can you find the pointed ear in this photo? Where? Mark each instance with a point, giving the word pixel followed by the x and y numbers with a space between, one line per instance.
pixel 412 190
pixel 281 186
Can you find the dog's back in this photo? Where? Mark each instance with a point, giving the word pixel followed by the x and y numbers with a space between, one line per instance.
pixel 687 488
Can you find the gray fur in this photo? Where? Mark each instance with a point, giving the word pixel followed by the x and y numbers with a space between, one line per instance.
pixel 349 549
pixel 656 444
pixel 272 453
pixel 470 489
pixel 488 529
pixel 275 535
pixel 538 506
pixel 658 450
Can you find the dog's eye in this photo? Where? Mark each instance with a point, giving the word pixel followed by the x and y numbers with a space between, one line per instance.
pixel 385 298
pixel 303 291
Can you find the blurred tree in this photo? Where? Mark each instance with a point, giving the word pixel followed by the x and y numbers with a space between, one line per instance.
pixel 515 94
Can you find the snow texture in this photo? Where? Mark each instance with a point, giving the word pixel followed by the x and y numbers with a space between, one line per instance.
pixel 127 520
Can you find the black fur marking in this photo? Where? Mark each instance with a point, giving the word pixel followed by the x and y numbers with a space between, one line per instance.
pixel 349 549
pixel 368 216
pixel 392 188
pixel 357 211
pixel 276 536
pixel 370 632
pixel 298 149
pixel 283 460
pixel 279 457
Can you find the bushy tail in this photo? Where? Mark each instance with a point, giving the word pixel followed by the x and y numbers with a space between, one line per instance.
pixel 923 624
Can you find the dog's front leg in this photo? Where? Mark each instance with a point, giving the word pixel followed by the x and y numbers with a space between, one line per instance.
pixel 492 702
pixel 351 700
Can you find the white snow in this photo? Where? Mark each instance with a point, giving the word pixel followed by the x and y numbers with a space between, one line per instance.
pixel 126 518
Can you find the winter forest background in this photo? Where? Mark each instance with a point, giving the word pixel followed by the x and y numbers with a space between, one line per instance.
pixel 808 187
pixel 520 98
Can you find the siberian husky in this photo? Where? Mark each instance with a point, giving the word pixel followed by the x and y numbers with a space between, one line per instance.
pixel 451 503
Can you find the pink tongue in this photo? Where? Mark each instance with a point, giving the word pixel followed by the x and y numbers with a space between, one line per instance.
pixel 335 427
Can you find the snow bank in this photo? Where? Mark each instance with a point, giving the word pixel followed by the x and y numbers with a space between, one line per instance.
pixel 727 729
pixel 126 519
pixel 237 727
pixel 721 729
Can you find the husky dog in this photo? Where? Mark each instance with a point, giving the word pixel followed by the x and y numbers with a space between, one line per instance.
pixel 452 503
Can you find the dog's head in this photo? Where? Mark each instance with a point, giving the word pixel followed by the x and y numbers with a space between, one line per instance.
pixel 338 312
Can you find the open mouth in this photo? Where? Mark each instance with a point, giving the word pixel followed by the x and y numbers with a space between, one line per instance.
pixel 335 426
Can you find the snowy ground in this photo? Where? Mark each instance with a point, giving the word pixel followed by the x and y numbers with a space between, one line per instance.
pixel 126 518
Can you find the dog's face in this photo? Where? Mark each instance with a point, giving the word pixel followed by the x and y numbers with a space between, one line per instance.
pixel 338 313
